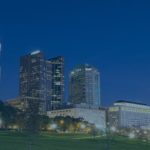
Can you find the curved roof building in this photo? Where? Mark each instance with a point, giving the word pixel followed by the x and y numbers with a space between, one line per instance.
pixel 84 86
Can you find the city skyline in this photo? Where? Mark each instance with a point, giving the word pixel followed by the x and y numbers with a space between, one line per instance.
pixel 67 90
pixel 111 35
pixel 75 74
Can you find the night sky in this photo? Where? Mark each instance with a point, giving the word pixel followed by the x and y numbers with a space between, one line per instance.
pixel 112 35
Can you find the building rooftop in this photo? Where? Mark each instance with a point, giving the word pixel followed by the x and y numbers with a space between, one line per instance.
pixel 130 102
pixel 35 52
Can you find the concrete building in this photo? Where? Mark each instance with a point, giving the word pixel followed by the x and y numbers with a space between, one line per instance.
pixel 94 116
pixel 125 114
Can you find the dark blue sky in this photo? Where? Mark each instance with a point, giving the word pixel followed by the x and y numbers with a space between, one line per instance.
pixel 113 35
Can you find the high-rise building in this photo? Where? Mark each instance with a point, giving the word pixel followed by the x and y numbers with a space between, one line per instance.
pixel 84 86
pixel 42 80
pixel 48 84
pixel 57 82
pixel 33 79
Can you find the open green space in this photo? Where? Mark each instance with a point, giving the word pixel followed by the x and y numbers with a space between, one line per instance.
pixel 17 141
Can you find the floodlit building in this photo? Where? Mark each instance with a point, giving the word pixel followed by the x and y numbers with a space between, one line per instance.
pixel 84 86
pixel 125 114
pixel 94 116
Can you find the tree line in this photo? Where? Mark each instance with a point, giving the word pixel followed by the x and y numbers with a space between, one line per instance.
pixel 32 121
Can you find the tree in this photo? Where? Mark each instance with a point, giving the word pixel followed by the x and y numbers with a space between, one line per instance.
pixel 44 121
pixel 8 114
pixel 32 122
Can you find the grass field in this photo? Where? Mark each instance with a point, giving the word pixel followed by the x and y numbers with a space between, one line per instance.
pixel 16 141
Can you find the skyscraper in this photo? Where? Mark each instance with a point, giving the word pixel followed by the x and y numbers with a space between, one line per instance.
pixel 57 82
pixel 33 79
pixel 42 81
pixel 84 86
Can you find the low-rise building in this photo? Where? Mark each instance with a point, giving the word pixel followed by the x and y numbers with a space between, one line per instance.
pixel 94 116
pixel 125 114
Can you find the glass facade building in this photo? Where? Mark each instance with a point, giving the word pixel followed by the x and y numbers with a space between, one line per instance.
pixel 126 114
pixel 37 80
pixel 84 86
pixel 33 79
pixel 57 82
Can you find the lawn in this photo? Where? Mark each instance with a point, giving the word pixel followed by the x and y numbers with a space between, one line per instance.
pixel 16 141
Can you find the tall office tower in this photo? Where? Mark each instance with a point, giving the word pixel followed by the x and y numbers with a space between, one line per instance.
pixel 48 75
pixel 34 77
pixel 57 82
pixel 42 81
pixel 84 86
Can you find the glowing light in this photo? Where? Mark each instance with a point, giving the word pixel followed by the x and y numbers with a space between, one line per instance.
pixel 15 127
pixel 113 129
pixel 88 69
pixel 131 135
pixel 53 126
pixel 62 122
pixel 82 126
pixel 35 52
pixel 113 109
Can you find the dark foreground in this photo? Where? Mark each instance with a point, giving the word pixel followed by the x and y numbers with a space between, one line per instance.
pixel 16 141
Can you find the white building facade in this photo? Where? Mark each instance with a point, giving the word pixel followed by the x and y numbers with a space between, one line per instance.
pixel 94 116
pixel 125 114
